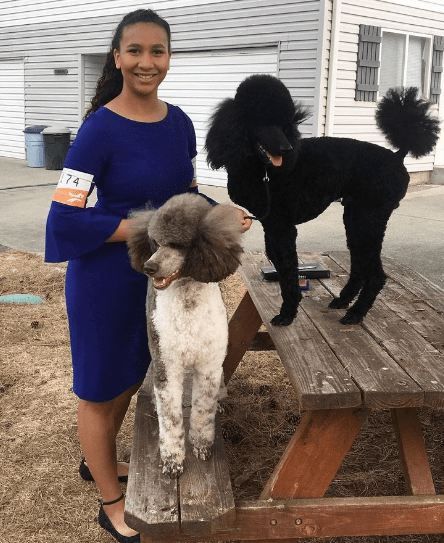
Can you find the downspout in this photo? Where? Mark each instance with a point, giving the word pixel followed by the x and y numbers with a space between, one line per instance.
pixel 333 67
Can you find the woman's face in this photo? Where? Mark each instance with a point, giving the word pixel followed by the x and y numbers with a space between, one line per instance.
pixel 143 58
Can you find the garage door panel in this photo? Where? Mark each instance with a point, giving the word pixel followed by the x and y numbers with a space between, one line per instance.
pixel 213 58
pixel 198 81
pixel 12 105
pixel 14 127
pixel 10 98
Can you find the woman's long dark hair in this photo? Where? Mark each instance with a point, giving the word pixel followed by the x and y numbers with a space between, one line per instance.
pixel 110 83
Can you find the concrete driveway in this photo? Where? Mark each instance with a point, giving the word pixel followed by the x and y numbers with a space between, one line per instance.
pixel 415 233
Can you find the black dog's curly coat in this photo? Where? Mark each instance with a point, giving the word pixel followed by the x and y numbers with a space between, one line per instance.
pixel 257 133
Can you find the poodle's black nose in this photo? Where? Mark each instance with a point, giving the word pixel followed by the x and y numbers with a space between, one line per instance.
pixel 285 148
pixel 150 267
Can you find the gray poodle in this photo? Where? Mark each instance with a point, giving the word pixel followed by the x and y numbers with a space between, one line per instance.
pixel 186 247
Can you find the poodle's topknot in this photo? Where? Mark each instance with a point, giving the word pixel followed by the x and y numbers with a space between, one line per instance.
pixel 179 220
pixel 253 96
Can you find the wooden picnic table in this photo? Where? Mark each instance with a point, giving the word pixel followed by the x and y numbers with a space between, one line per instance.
pixel 393 360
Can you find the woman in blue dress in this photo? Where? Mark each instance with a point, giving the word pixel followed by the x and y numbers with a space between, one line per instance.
pixel 134 149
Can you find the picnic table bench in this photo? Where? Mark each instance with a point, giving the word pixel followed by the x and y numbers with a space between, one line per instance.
pixel 393 360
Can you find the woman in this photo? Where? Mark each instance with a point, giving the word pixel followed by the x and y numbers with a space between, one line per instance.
pixel 134 148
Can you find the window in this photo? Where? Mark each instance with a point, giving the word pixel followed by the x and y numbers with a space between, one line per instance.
pixel 392 59
pixel 405 61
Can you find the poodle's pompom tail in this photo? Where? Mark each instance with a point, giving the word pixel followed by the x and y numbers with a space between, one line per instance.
pixel 227 136
pixel 140 246
pixel 216 250
pixel 404 118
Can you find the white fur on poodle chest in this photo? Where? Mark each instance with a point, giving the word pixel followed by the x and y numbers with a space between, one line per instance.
pixel 191 320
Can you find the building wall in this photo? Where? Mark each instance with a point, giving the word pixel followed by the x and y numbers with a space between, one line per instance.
pixel 75 34
pixel 356 119
pixel 52 34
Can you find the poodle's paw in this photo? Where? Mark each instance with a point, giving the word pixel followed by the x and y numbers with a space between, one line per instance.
pixel 337 303
pixel 172 469
pixel 220 407
pixel 351 318
pixel 172 461
pixel 203 453
pixel 280 320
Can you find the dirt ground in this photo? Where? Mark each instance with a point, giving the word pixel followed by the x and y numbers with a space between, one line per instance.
pixel 42 497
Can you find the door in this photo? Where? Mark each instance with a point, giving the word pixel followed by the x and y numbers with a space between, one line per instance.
pixel 12 109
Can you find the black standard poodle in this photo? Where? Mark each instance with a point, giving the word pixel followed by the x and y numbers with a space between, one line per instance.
pixel 285 180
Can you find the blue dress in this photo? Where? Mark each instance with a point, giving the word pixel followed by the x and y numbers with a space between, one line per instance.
pixel 130 163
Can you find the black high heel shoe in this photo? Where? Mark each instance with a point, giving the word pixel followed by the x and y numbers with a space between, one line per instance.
pixel 85 474
pixel 107 525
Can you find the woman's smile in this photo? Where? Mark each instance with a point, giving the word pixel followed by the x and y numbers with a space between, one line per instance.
pixel 145 76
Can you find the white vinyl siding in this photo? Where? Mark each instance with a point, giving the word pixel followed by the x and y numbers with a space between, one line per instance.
pixel 12 109
pixel 41 11
pixel 198 81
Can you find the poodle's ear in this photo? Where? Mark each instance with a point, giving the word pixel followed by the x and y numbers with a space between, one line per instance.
pixel 140 246
pixel 301 113
pixel 215 253
pixel 227 136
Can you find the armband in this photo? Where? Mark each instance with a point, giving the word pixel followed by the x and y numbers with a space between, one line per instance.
pixel 73 188
pixel 194 181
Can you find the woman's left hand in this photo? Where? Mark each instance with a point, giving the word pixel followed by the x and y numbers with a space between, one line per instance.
pixel 246 223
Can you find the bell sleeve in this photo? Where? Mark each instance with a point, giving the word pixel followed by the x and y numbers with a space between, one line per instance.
pixel 73 230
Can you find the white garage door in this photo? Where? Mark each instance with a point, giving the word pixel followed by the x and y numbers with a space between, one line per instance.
pixel 12 109
pixel 198 81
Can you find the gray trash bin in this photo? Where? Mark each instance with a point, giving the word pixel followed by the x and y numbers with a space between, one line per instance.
pixel 35 150
pixel 57 142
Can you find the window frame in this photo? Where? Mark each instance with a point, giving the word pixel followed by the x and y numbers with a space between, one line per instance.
pixel 407 35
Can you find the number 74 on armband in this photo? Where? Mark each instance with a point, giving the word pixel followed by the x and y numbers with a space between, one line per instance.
pixel 73 188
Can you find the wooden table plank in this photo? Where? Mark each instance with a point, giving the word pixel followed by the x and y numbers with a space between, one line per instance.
pixel 285 521
pixel 416 312
pixel 206 497
pixel 393 324
pixel 417 284
pixel 320 381
pixel 412 297
pixel 412 352
pixel 151 498
pixel 384 384
pixel 200 501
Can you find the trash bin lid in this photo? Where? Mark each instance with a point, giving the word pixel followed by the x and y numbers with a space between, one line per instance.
pixel 37 129
pixel 56 130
